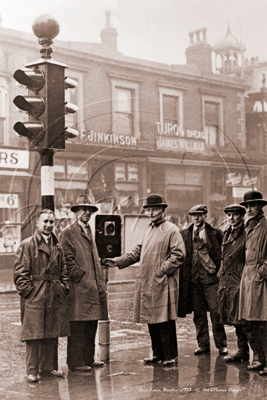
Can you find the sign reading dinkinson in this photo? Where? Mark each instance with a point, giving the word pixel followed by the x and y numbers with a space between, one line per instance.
pixel 174 137
pixel 14 159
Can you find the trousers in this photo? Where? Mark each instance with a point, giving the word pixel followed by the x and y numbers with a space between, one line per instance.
pixel 81 343
pixel 40 355
pixel 205 297
pixel 164 340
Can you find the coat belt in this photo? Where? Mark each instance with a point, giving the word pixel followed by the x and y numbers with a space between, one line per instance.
pixel 48 278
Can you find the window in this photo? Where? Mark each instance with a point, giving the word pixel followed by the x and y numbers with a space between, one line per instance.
pixel 125 108
pixel 171 110
pixel 123 118
pixel 211 122
pixel 212 113
pixel 4 139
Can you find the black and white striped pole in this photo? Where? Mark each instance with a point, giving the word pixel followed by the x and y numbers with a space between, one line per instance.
pixel 47 180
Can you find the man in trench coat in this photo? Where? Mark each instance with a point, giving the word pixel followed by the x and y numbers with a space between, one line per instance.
pixel 199 282
pixel 253 286
pixel 41 280
pixel 161 254
pixel 230 272
pixel 87 296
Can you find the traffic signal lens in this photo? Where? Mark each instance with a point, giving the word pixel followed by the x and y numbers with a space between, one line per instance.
pixel 32 105
pixel 31 130
pixel 33 79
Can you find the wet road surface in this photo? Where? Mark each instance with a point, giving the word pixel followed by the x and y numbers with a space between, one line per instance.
pixel 125 376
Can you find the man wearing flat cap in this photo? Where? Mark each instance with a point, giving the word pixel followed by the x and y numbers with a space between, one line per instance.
pixel 87 296
pixel 233 261
pixel 253 286
pixel 160 254
pixel 199 282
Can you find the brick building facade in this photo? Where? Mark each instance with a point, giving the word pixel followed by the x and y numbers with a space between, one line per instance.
pixel 178 130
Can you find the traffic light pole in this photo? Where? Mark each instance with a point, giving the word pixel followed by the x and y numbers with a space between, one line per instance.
pixel 47 179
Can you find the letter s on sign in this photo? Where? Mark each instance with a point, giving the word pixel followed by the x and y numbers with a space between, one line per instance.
pixel 14 158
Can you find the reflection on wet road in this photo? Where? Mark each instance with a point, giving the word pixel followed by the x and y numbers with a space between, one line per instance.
pixel 125 376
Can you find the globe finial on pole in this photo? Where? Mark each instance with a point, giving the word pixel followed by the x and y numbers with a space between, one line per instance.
pixel 46 28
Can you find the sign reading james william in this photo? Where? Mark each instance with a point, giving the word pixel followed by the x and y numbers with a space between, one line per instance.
pixel 174 137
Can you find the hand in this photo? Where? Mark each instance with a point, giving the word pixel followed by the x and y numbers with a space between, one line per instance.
pixel 109 262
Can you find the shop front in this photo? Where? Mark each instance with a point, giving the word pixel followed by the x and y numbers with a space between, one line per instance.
pixel 14 166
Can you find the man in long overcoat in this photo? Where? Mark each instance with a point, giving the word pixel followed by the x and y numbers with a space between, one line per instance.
pixel 233 261
pixel 199 282
pixel 41 280
pixel 87 296
pixel 253 286
pixel 161 254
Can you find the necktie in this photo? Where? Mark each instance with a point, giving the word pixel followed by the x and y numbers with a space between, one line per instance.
pixel 87 231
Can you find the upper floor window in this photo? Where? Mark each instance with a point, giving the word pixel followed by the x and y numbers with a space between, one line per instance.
pixel 171 109
pixel 125 108
pixel 212 113
pixel 123 113
pixel 4 139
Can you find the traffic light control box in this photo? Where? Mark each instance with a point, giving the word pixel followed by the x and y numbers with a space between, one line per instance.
pixel 108 235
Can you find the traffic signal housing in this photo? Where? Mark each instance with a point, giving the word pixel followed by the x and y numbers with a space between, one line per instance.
pixel 45 105
pixel 108 235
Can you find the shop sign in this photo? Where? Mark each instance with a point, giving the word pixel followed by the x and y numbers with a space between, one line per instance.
pixel 181 144
pixel 233 179
pixel 174 137
pixel 9 201
pixel 107 138
pixel 14 159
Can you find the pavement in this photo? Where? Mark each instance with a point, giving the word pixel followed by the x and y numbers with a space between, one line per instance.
pixel 125 376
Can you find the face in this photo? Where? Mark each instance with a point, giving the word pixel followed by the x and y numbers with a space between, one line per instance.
pixel 155 213
pixel 253 209
pixel 84 214
pixel 45 223
pixel 198 219
pixel 234 218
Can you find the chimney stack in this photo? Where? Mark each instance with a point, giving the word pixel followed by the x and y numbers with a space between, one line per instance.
pixel 108 33
pixel 199 51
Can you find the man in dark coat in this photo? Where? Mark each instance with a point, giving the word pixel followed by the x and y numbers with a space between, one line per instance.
pixel 253 285
pixel 199 282
pixel 87 297
pixel 160 254
pixel 233 261
pixel 41 280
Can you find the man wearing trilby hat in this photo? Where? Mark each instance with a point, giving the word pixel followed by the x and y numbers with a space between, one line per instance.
pixel 230 272
pixel 87 297
pixel 253 286
pixel 160 254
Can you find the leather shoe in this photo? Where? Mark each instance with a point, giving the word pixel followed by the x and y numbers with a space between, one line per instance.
pixel 97 364
pixel 264 371
pixel 168 363
pixel 200 350
pixel 151 360
pixel 256 366
pixel 32 378
pixel 84 368
pixel 51 374
pixel 238 357
pixel 223 351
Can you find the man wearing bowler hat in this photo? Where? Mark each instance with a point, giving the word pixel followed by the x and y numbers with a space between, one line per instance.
pixel 233 261
pixel 87 297
pixel 160 254
pixel 253 286
pixel 199 282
